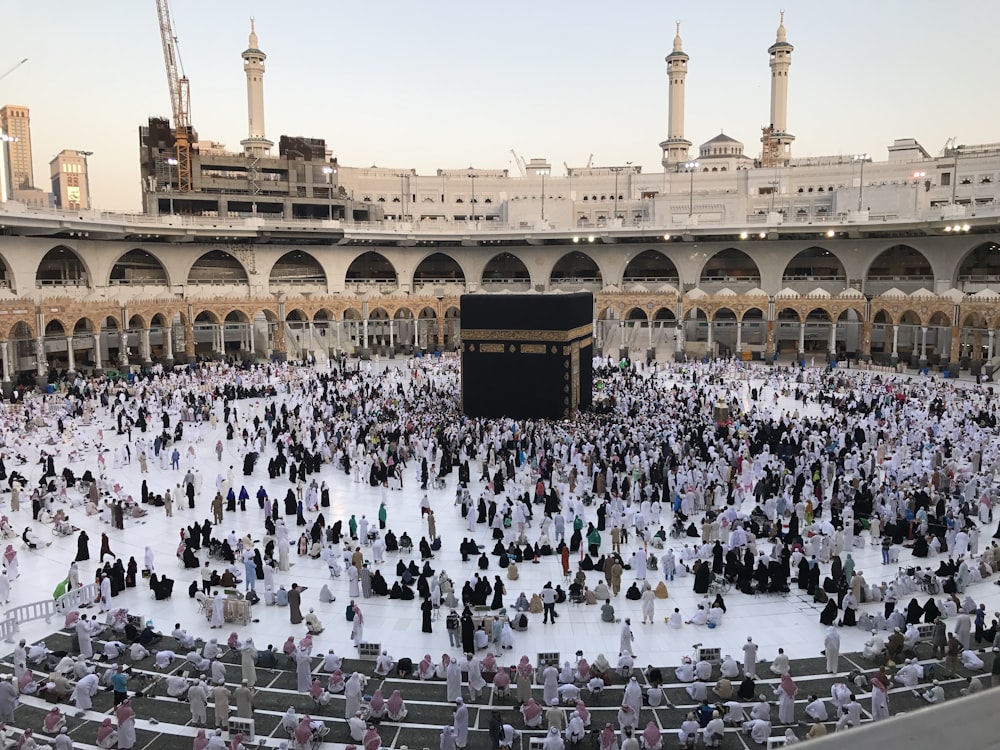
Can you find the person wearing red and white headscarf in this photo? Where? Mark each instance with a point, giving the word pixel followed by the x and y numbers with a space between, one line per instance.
pixel 126 725
pixel 525 676
pixel 107 737
pixel 532 713
pixel 609 738
pixel 880 700
pixel 427 669
pixel 785 693
pixel 200 741
pixel 376 706
pixel 396 707
pixel 372 741
pixel 651 739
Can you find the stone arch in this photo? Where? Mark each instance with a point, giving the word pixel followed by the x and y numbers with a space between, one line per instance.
pixel 55 329
pixel 217 267
pixel 815 265
pixel 6 275
pixel 371 269
pixel 236 315
pixel 451 326
pixel 438 268
pixel 297 270
pixel 636 313
pixel 296 315
pixel 787 322
pixel 136 323
pixel 901 262
pixel 979 268
pixel 62 266
pixel 730 266
pixel 207 317
pixel 651 267
pixel 752 327
pixel 21 326
pixel 138 267
pixel 664 315
pixel 506 271
pixel 576 270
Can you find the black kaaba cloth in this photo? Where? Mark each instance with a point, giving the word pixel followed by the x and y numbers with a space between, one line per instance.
pixel 527 356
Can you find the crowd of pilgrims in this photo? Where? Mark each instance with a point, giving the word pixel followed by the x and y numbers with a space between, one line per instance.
pixel 805 461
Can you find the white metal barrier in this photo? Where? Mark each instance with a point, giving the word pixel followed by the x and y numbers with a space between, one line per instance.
pixel 8 628
pixel 78 597
pixel 33 611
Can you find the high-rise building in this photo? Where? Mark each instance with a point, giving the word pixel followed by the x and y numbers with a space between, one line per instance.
pixel 15 123
pixel 70 185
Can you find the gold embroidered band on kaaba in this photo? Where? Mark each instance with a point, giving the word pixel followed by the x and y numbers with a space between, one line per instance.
pixel 507 334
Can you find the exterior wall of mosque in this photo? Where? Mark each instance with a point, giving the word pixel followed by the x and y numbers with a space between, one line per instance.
pixel 115 291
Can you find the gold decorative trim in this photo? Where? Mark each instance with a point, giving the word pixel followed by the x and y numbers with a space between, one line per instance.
pixel 491 348
pixel 508 334
pixel 532 348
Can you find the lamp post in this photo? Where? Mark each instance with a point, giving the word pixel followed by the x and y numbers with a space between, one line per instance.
pixel 473 177
pixel 954 177
pixel 917 177
pixel 171 162
pixel 328 171
pixel 86 174
pixel 691 166
pixel 861 186
pixel 543 197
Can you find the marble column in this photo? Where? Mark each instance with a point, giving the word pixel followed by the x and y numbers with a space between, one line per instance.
pixel 42 364
pixel 923 346
pixel 833 341
pixel 147 354
pixel 168 343
pixel 392 341
pixel 5 352
pixel 123 348
pixel 895 343
pixel 97 351
pixel 251 344
pixel 70 355
pixel 739 337
pixel 802 339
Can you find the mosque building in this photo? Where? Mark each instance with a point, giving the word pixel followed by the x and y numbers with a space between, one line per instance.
pixel 742 249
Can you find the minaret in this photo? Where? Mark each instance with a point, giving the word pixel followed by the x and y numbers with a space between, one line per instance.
pixel 253 64
pixel 675 148
pixel 781 61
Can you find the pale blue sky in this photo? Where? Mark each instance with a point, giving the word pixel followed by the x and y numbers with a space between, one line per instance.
pixel 451 84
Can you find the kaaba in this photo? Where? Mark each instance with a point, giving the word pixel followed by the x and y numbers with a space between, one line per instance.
pixel 527 356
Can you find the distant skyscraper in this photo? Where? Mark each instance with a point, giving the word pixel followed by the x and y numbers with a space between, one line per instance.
pixel 16 125
pixel 70 186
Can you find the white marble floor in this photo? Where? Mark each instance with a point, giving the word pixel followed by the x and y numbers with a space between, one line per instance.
pixel 791 622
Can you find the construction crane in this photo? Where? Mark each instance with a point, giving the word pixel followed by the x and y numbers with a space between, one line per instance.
pixel 14 68
pixel 180 96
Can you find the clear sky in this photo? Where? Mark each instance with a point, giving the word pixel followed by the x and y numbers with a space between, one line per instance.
pixel 451 84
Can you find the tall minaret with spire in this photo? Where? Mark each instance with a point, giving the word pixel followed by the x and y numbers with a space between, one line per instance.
pixel 675 148
pixel 781 60
pixel 253 65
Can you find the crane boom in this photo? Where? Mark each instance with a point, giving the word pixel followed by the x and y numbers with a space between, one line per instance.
pixel 180 95
pixel 14 68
